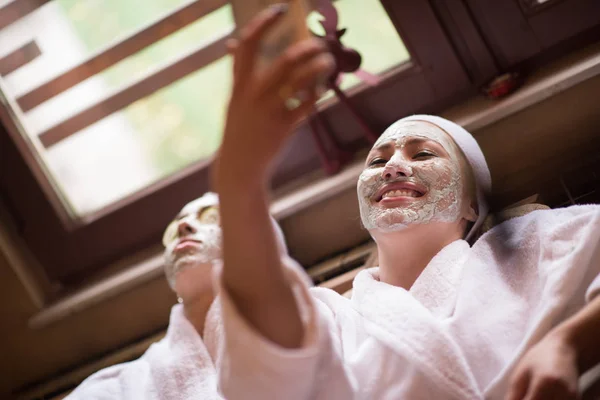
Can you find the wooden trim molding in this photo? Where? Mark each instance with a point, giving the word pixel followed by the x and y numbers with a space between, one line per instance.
pixel 69 381
pixel 18 58
pixel 11 118
pixel 116 52
pixel 137 90
pixel 140 272
pixel 28 271
pixel 545 83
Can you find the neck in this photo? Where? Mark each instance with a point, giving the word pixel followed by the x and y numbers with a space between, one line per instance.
pixel 403 255
pixel 196 310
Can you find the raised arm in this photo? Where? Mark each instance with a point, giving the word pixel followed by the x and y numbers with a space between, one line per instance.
pixel 258 123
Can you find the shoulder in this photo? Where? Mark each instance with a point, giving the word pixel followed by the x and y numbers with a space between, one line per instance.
pixel 564 214
pixel 568 222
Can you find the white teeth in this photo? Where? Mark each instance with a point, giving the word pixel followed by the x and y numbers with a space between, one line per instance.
pixel 401 193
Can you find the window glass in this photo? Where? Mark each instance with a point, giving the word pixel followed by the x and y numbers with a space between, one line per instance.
pixel 168 130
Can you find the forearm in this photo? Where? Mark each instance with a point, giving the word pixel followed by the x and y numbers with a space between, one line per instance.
pixel 253 274
pixel 582 331
pixel 258 123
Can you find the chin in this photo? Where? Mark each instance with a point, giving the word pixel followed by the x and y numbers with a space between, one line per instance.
pixel 174 264
pixel 190 261
pixel 389 220
pixel 388 227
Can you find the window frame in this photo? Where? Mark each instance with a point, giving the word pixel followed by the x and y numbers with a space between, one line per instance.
pixel 434 77
pixel 525 34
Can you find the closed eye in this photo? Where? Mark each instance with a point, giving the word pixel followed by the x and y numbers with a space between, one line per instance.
pixel 424 154
pixel 377 161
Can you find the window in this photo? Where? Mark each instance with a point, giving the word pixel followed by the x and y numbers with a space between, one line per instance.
pixel 372 33
pixel 112 109
pixel 96 158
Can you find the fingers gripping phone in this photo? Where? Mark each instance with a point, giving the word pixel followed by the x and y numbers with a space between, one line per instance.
pixel 290 29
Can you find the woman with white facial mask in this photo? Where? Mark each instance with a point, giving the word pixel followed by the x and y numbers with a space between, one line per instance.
pixel 182 364
pixel 514 315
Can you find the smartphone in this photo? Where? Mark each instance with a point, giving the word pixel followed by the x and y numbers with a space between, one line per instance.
pixel 291 28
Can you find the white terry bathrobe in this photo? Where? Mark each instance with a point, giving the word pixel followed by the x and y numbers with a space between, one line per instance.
pixel 180 366
pixel 456 334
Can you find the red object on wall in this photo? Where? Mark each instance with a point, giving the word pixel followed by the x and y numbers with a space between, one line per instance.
pixel 502 85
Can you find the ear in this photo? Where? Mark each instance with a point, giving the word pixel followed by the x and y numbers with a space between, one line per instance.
pixel 472 212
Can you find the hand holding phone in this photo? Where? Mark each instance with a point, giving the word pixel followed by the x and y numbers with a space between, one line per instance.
pixel 290 29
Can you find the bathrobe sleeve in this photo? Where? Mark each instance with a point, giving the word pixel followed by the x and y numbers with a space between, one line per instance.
pixel 253 367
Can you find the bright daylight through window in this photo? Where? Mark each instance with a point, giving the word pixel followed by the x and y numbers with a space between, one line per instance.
pixel 118 153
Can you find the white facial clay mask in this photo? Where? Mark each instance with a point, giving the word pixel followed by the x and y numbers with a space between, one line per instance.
pixel 438 179
pixel 198 246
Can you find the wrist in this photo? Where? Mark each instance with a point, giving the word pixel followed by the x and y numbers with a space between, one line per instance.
pixel 228 175
pixel 566 336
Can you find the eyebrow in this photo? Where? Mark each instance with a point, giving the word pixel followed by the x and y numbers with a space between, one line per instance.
pixel 383 146
pixel 413 140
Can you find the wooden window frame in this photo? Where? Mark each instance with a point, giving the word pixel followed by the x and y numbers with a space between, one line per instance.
pixel 19 57
pixel 71 249
pixel 525 36
pixel 18 9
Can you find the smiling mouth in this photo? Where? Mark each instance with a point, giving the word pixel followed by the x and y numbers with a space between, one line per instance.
pixel 400 193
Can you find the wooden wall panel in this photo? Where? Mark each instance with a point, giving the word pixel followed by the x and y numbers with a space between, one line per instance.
pixel 535 146
pixel 32 355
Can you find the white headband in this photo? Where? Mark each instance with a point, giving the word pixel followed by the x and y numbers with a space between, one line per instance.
pixel 474 156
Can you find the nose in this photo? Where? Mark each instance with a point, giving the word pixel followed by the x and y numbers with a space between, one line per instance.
pixel 394 170
pixel 184 229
